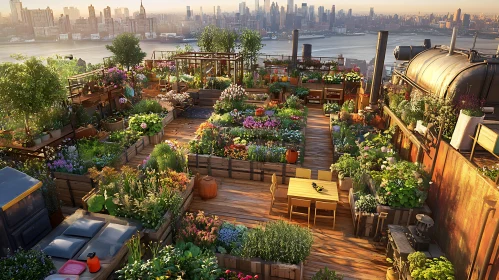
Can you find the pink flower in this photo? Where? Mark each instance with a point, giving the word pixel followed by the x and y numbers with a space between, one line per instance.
pixel 143 125
pixel 227 271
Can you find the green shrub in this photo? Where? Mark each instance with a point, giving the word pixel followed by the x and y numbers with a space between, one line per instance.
pixel 366 203
pixel 430 269
pixel 168 156
pixel 31 264
pixel 147 106
pixel 346 166
pixel 148 124
pixel 92 152
pixel 278 241
pixel 267 154
pixel 326 274
pixel 126 138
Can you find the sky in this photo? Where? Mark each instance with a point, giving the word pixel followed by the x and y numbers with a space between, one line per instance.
pixel 358 7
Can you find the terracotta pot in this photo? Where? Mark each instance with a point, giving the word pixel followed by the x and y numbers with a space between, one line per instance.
pixel 293 81
pixel 259 112
pixel 114 126
pixel 208 188
pixel 266 77
pixel 346 183
pixel 291 156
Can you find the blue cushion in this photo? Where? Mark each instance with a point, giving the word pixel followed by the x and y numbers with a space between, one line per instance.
pixel 64 247
pixel 84 227
pixel 114 233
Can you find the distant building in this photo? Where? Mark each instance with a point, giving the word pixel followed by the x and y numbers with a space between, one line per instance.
pixel 142 25
pixel 39 17
pixel 64 24
pixel 457 15
pixel 371 13
pixel 72 12
pixel 349 15
pixel 107 13
pixel 267 6
pixel 189 14
pixel 92 20
pixel 290 7
pixel 16 9
pixel 466 20
pixel 332 18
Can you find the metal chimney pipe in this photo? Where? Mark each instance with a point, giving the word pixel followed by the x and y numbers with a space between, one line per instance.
pixel 427 43
pixel 306 52
pixel 379 67
pixel 294 55
pixel 453 41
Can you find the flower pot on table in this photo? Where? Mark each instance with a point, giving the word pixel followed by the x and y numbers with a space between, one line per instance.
pixel 465 129
pixel 346 183
pixel 208 187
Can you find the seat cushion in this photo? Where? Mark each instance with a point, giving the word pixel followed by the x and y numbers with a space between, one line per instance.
pixel 84 227
pixel 115 233
pixel 64 247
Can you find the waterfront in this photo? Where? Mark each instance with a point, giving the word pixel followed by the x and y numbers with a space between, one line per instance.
pixel 356 47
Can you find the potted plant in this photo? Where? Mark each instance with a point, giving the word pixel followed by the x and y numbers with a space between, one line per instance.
pixel 37 138
pixel 55 128
pixel 45 136
pixel 113 123
pixel 301 92
pixel 295 76
pixel 292 154
pixel 420 267
pixel 352 82
pixel 331 108
pixel 346 166
pixel 149 125
pixel 470 115
pixel 259 112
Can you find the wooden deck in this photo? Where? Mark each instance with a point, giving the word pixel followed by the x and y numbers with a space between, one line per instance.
pixel 247 202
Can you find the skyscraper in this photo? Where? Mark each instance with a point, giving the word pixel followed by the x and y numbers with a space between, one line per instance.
pixel 92 19
pixel 219 12
pixel 16 8
pixel 242 8
pixel 126 13
pixel 267 6
pixel 142 12
pixel 320 13
pixel 107 13
pixel 349 13
pixel 332 18
pixel 257 6
pixel 72 12
pixel 189 14
pixel 290 7
pixel 371 13
pixel 466 20
pixel 457 15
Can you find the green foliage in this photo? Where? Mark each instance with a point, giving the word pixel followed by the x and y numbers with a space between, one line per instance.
pixel 28 88
pixel 126 138
pixel 92 152
pixel 326 274
pixel 331 108
pixel 30 264
pixel 293 102
pixel 225 40
pixel 278 87
pixel 348 106
pixel 251 44
pixel 430 269
pixel 401 185
pixel 278 241
pixel 366 203
pixel 207 40
pixel 490 171
pixel 346 166
pixel 301 92
pixel 167 156
pixel 147 106
pixel 126 50
pixel 147 124
pixel 184 261
pixel 65 68
pixel 96 203
pixel 267 153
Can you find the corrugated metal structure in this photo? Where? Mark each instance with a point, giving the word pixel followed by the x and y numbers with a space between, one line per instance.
pixel 452 74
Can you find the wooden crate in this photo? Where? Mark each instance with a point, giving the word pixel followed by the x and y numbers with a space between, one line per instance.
pixel 264 269
pixel 240 169
pixel 71 188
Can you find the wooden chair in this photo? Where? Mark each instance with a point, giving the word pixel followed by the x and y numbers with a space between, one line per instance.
pixel 325 175
pixel 279 196
pixel 327 206
pixel 304 203
pixel 303 173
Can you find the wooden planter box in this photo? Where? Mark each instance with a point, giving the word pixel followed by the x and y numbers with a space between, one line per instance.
pixel 264 269
pixel 366 227
pixel 397 216
pixel 156 139
pixel 168 119
pixel 71 188
pixel 240 169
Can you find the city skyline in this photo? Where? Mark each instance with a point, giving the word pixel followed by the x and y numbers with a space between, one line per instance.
pixel 359 7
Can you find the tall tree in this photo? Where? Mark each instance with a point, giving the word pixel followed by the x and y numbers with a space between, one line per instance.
pixel 207 39
pixel 28 88
pixel 226 40
pixel 251 44
pixel 126 49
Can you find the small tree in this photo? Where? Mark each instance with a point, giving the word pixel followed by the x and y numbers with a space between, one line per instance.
pixel 28 88
pixel 126 49
pixel 251 44
pixel 225 40
pixel 207 39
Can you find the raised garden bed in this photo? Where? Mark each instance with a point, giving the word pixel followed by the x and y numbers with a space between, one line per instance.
pixel 72 188
pixel 366 226
pixel 240 169
pixel 264 269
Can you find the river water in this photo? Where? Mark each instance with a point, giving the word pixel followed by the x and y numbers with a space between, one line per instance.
pixel 357 47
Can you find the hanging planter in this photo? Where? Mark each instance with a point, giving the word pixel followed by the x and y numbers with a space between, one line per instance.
pixel 464 130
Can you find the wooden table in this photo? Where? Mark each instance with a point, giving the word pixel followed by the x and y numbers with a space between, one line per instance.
pixel 302 188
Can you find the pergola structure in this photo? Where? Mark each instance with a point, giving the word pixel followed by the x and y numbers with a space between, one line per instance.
pixel 211 64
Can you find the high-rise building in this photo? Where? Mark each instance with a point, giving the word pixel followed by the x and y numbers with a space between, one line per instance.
pixel 304 10
pixel 349 15
pixel 320 13
pixel 371 13
pixel 219 12
pixel 107 13
pixel 92 19
pixel 311 13
pixel 39 17
pixel 332 18
pixel 126 13
pixel 201 15
pixel 282 18
pixel 257 6
pixel 290 7
pixel 466 20
pixel 72 12
pixel 118 13
pixel 64 24
pixel 267 6
pixel 189 13
pixel 16 9
pixel 242 8
pixel 457 15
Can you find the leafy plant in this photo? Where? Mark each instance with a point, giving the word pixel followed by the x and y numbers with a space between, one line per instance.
pixel 348 106
pixel 331 108
pixel 168 155
pixel 126 138
pixel 301 92
pixel 366 203
pixel 92 152
pixel 278 241
pixel 29 264
pixel 199 229
pixel 490 171
pixel 147 106
pixel 147 124
pixel 267 153
pixel 346 166
pixel 251 44
pixel 326 274
pixel 230 237
pixel 429 269
pixel 126 50
pixel 207 40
